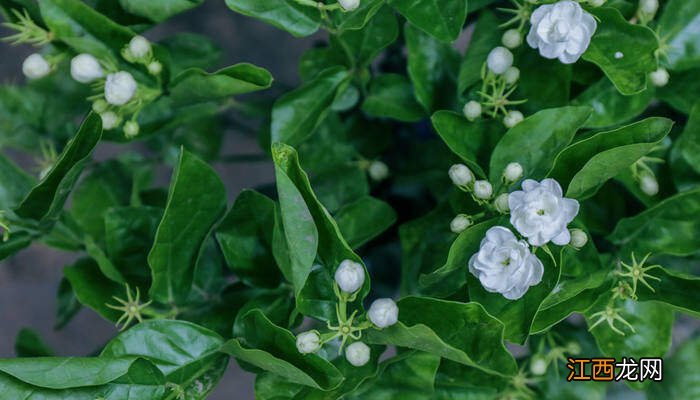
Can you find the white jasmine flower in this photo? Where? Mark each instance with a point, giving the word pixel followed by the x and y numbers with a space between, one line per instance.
pixel 35 66
pixel 648 7
pixel 562 30
pixel 505 264
pixel 659 77
pixel 514 117
pixel 538 365
pixel 499 60
pixel 511 38
pixel 120 87
pixel 378 171
pixel 513 172
pixel 540 212
pixel 501 203
pixel 472 110
pixel 357 354
pixel 155 68
pixel 383 313
pixel 139 47
pixel 349 5
pixel 460 175
pixel 460 223
pixel 483 189
pixel 511 75
pixel 349 276
pixel 308 342
pixel 110 120
pixel 578 238
pixel 649 184
pixel 131 129
pixel 85 68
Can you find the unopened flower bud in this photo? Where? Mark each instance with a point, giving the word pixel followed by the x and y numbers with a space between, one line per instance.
pixel 596 3
pixel 648 7
pixel 579 238
pixel 659 78
pixel 35 66
pixel 383 313
pixel 99 106
pixel 499 60
pixel 378 171
pixel 513 172
pixel 538 365
pixel 513 118
pixel 483 189
pixel 349 5
pixel 460 223
pixel 139 47
pixel 472 110
pixel 120 87
pixel 573 348
pixel 501 203
pixel 460 175
pixel 511 75
pixel 357 354
pixel 511 38
pixel 649 184
pixel 110 120
pixel 85 68
pixel 155 68
pixel 308 342
pixel 131 129
pixel 350 276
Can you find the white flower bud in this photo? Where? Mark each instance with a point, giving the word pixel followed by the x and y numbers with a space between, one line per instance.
pixel 538 365
pixel 35 66
pixel 513 172
pixel 155 68
pixel 308 342
pixel 596 3
pixel 511 75
pixel 483 189
pixel 513 118
pixel 85 68
pixel 120 87
pixel 499 60
pixel 501 203
pixel 349 5
pixel 378 171
pixel 659 77
pixel 139 46
pixel 562 30
pixel 460 175
pixel 472 110
pixel 131 129
pixel 349 276
pixel 460 223
pixel 99 106
pixel 648 7
pixel 357 354
pixel 649 184
pixel 578 238
pixel 383 313
pixel 110 120
pixel 511 38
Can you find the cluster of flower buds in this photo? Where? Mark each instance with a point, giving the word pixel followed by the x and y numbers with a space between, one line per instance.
pixel 348 280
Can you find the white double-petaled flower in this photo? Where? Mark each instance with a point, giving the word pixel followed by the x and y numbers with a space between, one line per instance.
pixel 562 30
pixel 505 264
pixel 541 213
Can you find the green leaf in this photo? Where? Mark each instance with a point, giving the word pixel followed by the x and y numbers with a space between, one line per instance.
pixel 196 200
pixel 677 289
pixel 298 113
pixel 391 96
pixel 364 45
pixel 461 332
pixel 190 50
pixel 689 141
pixel 587 164
pixel 289 15
pixel 678 26
pixel 544 83
pixel 625 52
pixel 245 238
pixel 29 344
pixel 609 106
pixel 442 19
pixel 680 382
pixel 536 141
pixel 92 288
pixel 273 349
pixel 366 218
pixel 357 18
pixel 484 39
pixel 407 376
pixel 670 227
pixel 67 304
pixel 196 85
pixel 46 199
pixel 15 243
pixel 15 183
pixel 158 10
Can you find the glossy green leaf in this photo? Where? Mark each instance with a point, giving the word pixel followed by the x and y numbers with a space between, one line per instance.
pixel 461 332
pixel 158 10
pixel 484 39
pixel 195 85
pixel 67 304
pixel 537 140
pixel 679 378
pixel 689 141
pixel 677 289
pixel 273 349
pixel 15 183
pixel 359 17
pixel 679 26
pixel 625 52
pixel 299 20
pixel 391 96
pixel 190 50
pixel 406 376
pixel 544 83
pixel 196 200
pixel 298 113
pixel 366 44
pixel 30 344
pixel 442 19
pixel 362 220
pixel 681 89
pixel 92 288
